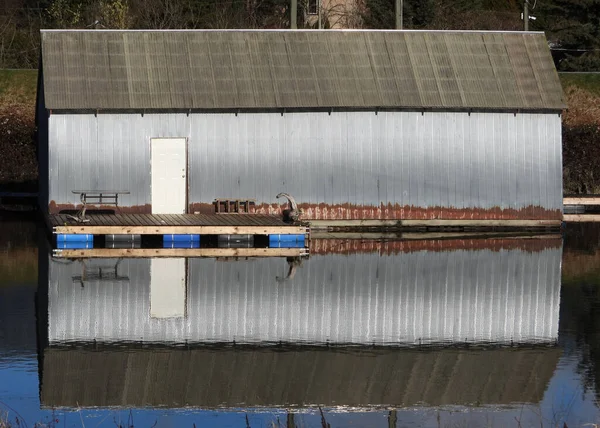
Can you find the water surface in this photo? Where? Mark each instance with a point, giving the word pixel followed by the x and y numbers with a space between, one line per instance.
pixel 466 332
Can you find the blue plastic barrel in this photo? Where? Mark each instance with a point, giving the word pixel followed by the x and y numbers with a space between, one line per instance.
pixel 286 244
pixel 74 237
pixel 75 245
pixel 180 238
pixel 181 244
pixel 287 238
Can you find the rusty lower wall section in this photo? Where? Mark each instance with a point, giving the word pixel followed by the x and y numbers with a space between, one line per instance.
pixel 397 212
pixel 355 212
pixel 391 247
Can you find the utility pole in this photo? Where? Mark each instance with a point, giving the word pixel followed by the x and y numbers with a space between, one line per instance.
pixel 319 12
pixel 526 15
pixel 294 14
pixel 399 15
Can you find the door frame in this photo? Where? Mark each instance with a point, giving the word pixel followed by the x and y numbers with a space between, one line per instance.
pixel 187 169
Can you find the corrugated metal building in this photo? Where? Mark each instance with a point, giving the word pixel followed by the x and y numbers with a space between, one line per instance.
pixel 353 124
pixel 482 295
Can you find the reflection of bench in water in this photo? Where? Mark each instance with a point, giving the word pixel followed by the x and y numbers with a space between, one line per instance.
pixel 99 274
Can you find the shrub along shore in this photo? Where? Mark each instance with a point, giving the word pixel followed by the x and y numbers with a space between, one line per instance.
pixel 581 131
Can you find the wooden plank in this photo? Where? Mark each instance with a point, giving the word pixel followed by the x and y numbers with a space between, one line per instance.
pixel 165 220
pixel 153 220
pixel 134 220
pixel 481 223
pixel 252 220
pixel 165 229
pixel 422 236
pixel 181 219
pixel 581 218
pixel 211 220
pixel 182 252
pixel 582 200
pixel 324 224
pixel 95 220
pixel 186 220
pixel 109 220
pixel 143 219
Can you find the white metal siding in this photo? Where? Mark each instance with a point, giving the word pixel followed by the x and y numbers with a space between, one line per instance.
pixel 420 297
pixel 459 160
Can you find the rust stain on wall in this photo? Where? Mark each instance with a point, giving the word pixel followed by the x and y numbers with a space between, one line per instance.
pixel 54 208
pixel 406 212
pixel 357 212
pixel 357 246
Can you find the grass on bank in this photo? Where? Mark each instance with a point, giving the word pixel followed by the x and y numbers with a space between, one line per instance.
pixel 589 82
pixel 18 87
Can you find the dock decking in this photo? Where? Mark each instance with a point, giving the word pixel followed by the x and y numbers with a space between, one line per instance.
pixel 156 224
pixel 180 252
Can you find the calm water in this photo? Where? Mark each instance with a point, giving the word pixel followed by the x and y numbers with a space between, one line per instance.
pixel 460 332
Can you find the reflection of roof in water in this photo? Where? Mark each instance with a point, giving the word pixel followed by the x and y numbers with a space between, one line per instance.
pixel 396 246
pixel 418 297
pixel 231 377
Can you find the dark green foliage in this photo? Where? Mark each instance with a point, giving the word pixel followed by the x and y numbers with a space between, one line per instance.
pixel 573 24
pixel 574 28
pixel 18 163
pixel 589 61
pixel 581 151
pixel 382 13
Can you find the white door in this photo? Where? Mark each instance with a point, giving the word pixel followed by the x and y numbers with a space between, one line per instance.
pixel 169 175
pixel 167 288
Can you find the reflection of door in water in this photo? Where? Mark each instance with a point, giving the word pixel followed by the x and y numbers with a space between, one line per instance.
pixel 169 171
pixel 167 288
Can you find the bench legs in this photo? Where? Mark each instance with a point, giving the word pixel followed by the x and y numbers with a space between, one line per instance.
pixel 80 216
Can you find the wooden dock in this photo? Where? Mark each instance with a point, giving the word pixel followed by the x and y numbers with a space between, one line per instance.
pixel 164 224
pixel 581 208
pixel 591 200
pixel 180 252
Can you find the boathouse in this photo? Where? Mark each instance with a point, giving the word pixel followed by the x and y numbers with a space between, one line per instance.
pixel 355 125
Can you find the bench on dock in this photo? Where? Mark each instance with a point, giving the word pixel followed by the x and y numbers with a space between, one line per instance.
pixel 233 206
pixel 96 197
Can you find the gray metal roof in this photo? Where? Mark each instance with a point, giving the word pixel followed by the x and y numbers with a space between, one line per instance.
pixel 247 69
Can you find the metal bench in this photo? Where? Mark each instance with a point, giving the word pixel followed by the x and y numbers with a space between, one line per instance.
pixel 95 197
pixel 233 206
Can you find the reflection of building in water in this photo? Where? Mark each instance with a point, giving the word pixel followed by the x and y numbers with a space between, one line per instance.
pixel 250 377
pixel 443 292
pixel 487 294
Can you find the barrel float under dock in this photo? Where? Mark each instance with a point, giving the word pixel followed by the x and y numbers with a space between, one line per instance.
pixel 287 241
pixel 74 245
pixel 181 238
pixel 74 237
pixel 181 241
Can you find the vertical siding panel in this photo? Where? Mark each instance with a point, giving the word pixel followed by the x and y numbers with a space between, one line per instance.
pixel 410 138
pixel 511 142
pixel 405 158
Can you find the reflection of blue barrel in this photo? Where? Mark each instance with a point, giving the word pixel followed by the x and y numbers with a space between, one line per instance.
pixel 71 237
pixel 286 241
pixel 181 244
pixel 286 244
pixel 181 238
pixel 76 245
